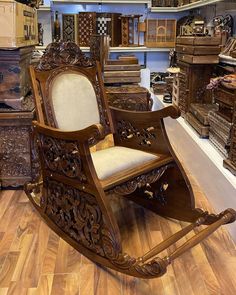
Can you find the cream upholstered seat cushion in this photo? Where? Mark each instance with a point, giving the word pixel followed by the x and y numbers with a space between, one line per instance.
pixel 115 159
pixel 74 102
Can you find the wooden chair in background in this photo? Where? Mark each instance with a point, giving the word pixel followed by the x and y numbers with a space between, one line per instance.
pixel 73 115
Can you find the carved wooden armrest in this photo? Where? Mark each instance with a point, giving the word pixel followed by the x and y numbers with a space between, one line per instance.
pixel 142 130
pixel 95 131
pixel 154 116
pixel 64 152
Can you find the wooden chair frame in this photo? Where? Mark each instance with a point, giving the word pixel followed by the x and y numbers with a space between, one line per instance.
pixel 75 202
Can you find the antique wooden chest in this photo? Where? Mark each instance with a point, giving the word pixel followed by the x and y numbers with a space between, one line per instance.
pixel 202 130
pixel 198 41
pixel 15 159
pixel 201 111
pixel 197 50
pixel 18 24
pixel 197 117
pixel 133 98
pixel 198 59
pixel 14 75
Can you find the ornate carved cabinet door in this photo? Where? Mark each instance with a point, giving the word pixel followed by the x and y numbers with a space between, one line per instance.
pixel 15 159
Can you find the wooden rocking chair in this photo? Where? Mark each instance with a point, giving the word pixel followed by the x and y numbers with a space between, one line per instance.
pixel 73 115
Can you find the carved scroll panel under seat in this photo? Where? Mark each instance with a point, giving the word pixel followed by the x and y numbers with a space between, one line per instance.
pixel 74 194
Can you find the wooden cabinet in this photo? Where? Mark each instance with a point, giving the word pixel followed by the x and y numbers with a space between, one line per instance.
pixel 15 159
pixel 192 82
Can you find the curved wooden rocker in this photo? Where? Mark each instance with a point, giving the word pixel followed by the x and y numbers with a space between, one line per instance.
pixel 73 196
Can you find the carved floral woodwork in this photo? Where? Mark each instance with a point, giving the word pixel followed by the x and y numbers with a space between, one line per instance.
pixel 63 157
pixel 14 146
pixel 79 215
pixel 15 162
pixel 126 130
pixel 145 181
pixel 63 53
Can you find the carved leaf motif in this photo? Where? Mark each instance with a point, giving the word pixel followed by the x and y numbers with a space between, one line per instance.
pixel 62 156
pixel 78 214
pixel 126 130
pixel 63 53
pixel 14 151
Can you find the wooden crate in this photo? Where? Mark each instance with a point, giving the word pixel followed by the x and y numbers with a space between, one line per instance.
pixel 18 24
pixel 160 33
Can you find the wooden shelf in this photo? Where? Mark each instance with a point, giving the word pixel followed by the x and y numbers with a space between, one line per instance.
pixel 148 2
pixel 44 8
pixel 122 49
pixel 185 7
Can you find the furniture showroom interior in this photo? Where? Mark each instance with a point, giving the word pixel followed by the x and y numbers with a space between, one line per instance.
pixel 117 147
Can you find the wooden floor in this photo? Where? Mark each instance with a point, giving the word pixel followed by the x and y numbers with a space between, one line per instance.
pixel 34 260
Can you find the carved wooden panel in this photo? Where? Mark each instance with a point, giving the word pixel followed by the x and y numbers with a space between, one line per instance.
pixel 86 27
pixel 133 98
pixel 15 149
pixel 79 216
pixel 69 27
pixel 62 53
pixel 99 48
pixel 129 30
pixel 109 24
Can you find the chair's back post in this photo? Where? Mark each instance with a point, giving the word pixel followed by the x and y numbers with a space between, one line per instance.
pixel 107 109
pixel 37 96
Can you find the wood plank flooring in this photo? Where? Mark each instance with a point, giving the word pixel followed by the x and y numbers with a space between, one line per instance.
pixel 34 260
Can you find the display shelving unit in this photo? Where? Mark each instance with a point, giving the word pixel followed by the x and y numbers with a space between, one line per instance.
pixel 186 7
pixel 147 6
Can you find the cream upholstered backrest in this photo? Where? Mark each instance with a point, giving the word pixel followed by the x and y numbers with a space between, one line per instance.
pixel 74 101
